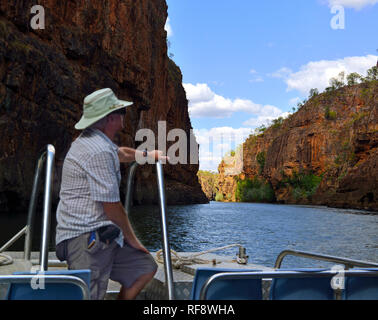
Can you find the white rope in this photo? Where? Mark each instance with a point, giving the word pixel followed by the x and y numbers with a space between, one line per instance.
pixel 178 261
pixel 5 259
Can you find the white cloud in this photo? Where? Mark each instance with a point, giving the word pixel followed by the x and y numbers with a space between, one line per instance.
pixel 257 122
pixel 221 135
pixel 198 93
pixel 257 79
pixel 217 83
pixel 216 142
pixel 168 28
pixel 265 117
pixel 294 101
pixel 316 74
pixel 355 4
pixel 265 120
pixel 224 146
pixel 281 73
pixel 203 102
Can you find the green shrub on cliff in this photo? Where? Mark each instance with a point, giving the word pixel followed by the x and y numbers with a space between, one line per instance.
pixel 3 28
pixel 329 114
pixel 260 158
pixel 219 197
pixel 254 190
pixel 304 185
pixel 353 78
pixel 260 130
pixel 313 93
pixel 346 155
pixel 276 123
pixel 372 74
pixel 337 82
pixel 358 116
pixel 208 181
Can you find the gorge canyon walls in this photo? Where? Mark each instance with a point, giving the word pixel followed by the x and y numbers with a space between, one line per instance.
pixel 326 153
pixel 45 75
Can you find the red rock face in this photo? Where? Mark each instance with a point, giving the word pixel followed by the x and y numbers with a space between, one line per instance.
pixel 342 151
pixel 85 46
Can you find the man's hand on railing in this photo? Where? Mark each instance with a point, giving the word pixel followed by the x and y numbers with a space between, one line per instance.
pixel 126 154
pixel 157 155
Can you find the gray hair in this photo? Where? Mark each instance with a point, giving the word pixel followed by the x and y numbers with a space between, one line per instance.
pixel 100 124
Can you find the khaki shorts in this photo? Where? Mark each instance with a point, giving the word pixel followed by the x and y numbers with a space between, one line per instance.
pixel 124 265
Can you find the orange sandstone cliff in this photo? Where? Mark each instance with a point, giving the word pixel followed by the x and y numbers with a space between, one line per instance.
pixel 332 140
pixel 85 46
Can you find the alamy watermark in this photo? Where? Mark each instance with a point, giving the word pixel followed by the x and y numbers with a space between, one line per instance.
pixel 38 281
pixel 181 147
pixel 38 20
pixel 338 281
pixel 338 20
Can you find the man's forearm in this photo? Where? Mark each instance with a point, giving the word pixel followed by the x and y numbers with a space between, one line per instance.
pixel 126 154
pixel 117 214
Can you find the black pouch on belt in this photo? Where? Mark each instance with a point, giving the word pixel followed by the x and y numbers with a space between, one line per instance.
pixel 108 233
pixel 61 250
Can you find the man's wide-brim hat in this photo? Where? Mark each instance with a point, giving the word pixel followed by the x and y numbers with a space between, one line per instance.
pixel 98 105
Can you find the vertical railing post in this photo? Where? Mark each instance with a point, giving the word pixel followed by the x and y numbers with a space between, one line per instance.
pixel 163 220
pixel 32 206
pixel 130 186
pixel 164 230
pixel 44 252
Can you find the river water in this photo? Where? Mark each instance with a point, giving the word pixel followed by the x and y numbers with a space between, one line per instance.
pixel 263 229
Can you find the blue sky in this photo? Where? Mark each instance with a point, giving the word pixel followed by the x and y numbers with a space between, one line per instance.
pixel 246 62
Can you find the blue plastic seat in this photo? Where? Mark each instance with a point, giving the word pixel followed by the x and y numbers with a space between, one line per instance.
pixel 361 288
pixel 51 291
pixel 230 289
pixel 302 288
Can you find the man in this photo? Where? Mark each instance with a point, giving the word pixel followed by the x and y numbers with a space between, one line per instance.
pixel 93 230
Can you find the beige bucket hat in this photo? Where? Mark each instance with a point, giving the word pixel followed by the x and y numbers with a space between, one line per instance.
pixel 98 105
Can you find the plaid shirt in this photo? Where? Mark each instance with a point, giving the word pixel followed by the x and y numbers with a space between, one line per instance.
pixel 91 175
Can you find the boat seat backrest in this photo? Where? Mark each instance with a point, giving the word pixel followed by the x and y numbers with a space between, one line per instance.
pixel 301 288
pixel 361 288
pixel 49 291
pixel 226 289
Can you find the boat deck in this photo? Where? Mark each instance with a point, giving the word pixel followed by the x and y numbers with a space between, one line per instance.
pixel 156 289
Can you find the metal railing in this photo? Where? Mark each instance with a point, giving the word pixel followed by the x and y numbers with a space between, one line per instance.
pixel 32 207
pixel 240 275
pixel 163 221
pixel 49 154
pixel 348 263
pixel 44 252
pixel 17 236
pixel 130 186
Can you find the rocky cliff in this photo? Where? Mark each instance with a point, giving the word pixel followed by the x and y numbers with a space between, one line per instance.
pixel 325 154
pixel 85 46
pixel 209 183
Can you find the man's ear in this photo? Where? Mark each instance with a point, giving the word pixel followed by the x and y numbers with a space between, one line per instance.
pixel 111 117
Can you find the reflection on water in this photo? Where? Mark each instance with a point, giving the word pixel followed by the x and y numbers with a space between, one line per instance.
pixel 263 229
